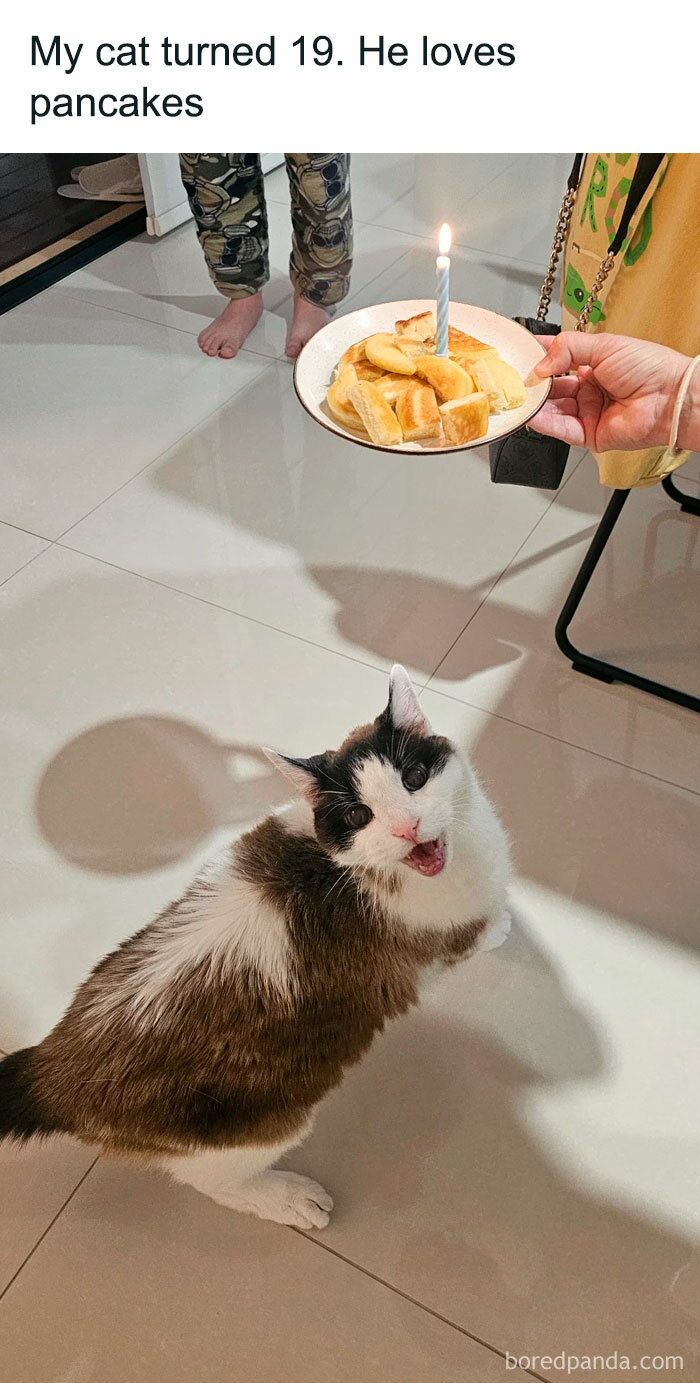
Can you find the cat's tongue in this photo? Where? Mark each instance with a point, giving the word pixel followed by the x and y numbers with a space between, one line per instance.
pixel 428 857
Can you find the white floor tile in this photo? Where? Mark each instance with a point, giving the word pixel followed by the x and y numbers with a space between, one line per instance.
pixel 641 610
pixel 441 189
pixel 114 392
pixel 148 1282
pixel 515 214
pixel 16 549
pixel 689 474
pixel 265 513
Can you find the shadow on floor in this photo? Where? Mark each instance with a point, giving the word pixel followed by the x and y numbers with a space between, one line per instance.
pixel 138 793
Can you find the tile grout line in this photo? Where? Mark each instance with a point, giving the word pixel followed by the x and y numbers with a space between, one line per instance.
pixel 214 605
pixel 149 321
pixel 206 418
pixel 271 360
pixel 358 1267
pixel 29 531
pixel 378 225
pixel 570 744
pixel 406 1296
pixel 423 240
pixel 49 1227
pixel 497 580
pixel 361 662
pixel 49 543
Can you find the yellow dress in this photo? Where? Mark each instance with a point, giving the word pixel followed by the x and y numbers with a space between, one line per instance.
pixel 653 291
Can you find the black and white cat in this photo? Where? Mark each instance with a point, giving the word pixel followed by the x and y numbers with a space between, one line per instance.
pixel 205 1042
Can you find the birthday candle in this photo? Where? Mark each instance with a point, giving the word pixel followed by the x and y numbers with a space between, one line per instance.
pixel 443 291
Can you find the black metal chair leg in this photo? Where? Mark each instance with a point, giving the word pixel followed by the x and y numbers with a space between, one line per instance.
pixel 690 504
pixel 586 662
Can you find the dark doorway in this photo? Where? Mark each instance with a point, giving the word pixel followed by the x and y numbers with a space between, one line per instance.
pixel 44 236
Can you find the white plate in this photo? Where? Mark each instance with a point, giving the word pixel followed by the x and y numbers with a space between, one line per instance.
pixel 314 368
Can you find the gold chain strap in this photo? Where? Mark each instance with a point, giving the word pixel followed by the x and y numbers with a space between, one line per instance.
pixel 560 233
pixel 605 267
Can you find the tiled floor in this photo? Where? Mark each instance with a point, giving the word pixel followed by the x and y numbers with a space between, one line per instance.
pixel 191 568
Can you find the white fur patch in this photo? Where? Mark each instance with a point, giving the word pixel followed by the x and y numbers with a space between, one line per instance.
pixel 298 817
pixel 379 785
pixel 222 921
pixel 431 811
pixel 452 805
pixel 242 1179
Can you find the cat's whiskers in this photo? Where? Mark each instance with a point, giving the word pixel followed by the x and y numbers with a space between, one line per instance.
pixel 342 879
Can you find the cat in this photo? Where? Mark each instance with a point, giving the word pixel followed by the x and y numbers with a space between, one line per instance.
pixel 204 1043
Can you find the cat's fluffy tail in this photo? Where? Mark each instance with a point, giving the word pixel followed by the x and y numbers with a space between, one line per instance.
pixel 21 1115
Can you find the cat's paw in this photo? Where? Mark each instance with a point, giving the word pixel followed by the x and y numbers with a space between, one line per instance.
pixel 495 933
pixel 289 1199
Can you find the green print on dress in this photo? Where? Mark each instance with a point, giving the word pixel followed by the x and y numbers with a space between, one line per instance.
pixel 575 297
pixel 597 187
pixel 636 247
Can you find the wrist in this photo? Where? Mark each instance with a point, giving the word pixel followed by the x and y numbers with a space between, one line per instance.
pixel 689 422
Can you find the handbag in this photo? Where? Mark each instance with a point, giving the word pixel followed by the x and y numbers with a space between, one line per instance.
pixel 530 458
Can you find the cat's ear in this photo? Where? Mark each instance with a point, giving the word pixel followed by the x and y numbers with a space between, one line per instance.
pixel 303 773
pixel 404 709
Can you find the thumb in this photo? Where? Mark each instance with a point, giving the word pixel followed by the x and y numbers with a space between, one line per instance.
pixel 566 352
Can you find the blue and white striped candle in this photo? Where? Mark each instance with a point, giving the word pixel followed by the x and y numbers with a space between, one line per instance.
pixel 443 291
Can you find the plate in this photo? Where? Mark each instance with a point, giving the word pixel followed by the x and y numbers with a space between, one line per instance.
pixel 315 365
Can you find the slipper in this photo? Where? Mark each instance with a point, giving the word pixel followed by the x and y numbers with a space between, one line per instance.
pixel 113 180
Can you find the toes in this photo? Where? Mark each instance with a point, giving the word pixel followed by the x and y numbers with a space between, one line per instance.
pixel 320 1197
pixel 313 1204
pixel 311 1216
pixel 227 352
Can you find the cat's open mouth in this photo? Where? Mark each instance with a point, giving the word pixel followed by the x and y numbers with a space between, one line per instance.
pixel 428 857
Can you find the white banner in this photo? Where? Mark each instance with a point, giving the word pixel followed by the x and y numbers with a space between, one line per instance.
pixel 366 76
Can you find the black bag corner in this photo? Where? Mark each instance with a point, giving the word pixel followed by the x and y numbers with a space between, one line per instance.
pixel 529 458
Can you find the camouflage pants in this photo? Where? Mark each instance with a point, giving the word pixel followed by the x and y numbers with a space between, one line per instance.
pixel 227 197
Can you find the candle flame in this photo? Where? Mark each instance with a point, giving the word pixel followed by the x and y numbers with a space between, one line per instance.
pixel 445 239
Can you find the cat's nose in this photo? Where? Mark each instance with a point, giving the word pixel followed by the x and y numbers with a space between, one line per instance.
pixel 409 831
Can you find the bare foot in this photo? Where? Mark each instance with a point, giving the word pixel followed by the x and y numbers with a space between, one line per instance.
pixel 226 334
pixel 307 320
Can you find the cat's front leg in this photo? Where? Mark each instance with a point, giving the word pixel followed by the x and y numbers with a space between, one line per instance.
pixel 242 1179
pixel 495 932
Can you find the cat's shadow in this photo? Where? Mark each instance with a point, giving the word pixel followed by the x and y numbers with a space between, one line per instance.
pixel 139 793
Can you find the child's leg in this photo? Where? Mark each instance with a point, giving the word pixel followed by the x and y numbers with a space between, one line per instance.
pixel 226 194
pixel 242 1179
pixel 321 257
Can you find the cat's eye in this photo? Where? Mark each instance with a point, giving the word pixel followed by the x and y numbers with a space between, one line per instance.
pixel 415 777
pixel 358 816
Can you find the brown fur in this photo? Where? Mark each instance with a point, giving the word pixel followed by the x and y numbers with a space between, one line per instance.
pixel 228 1061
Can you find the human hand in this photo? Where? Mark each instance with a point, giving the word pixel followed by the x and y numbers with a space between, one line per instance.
pixel 620 396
